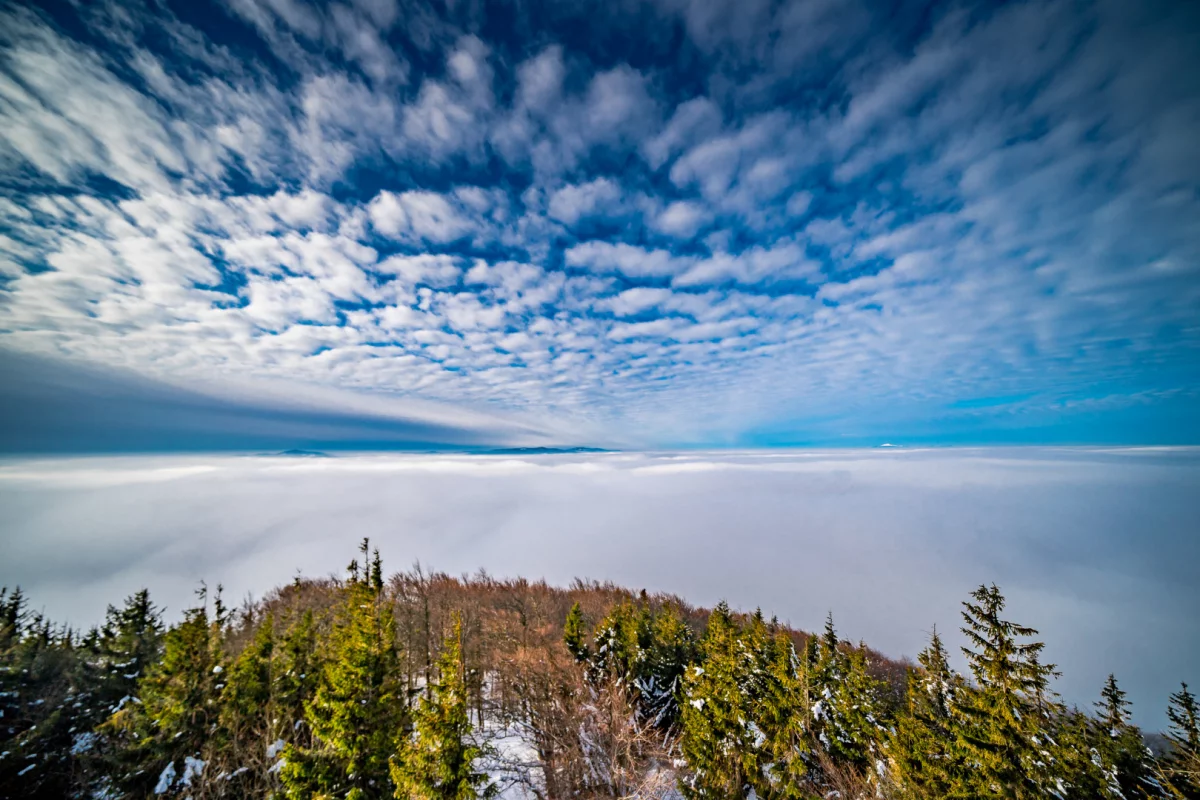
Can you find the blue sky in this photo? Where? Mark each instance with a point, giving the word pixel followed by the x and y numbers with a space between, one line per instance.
pixel 254 223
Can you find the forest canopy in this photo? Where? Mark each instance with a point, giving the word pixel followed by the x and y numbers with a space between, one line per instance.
pixel 423 685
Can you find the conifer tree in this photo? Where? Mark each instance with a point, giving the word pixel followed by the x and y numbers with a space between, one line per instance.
pixel 922 746
pixel 1185 721
pixel 436 762
pixel 45 702
pixel 161 734
pixel 1074 768
pixel 847 713
pixel 12 616
pixel 672 648
pixel 297 675
pixel 854 725
pixel 247 718
pixel 575 634
pixel 358 711
pixel 1003 720
pixel 781 715
pixel 811 674
pixel 1181 767
pixel 128 643
pixel 716 741
pixel 829 639
pixel 616 647
pixel 115 658
pixel 1119 744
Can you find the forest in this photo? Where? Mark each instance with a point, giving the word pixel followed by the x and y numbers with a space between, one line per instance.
pixel 423 685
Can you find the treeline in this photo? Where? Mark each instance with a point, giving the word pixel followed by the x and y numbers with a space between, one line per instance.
pixel 427 686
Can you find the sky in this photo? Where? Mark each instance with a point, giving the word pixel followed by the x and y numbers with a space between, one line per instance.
pixel 256 224
pixel 1095 547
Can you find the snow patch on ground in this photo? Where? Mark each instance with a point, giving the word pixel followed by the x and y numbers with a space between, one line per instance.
pixel 511 761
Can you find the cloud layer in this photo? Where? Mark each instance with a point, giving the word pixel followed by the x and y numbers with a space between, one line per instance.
pixel 681 221
pixel 1096 548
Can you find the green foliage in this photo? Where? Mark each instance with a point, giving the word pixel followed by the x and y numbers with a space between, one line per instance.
pixel 297 674
pixel 1185 721
pixel 922 749
pixel 718 745
pixel 1076 769
pixel 248 719
pixel 1181 768
pixel 358 712
pixel 1119 745
pixel 1002 722
pixel 436 762
pixel 848 722
pixel 43 702
pixel 639 650
pixel 304 697
pixel 671 648
pixel 782 716
pixel 575 634
pixel 175 712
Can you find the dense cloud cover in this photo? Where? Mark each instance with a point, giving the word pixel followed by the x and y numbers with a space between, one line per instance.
pixel 1097 548
pixel 681 221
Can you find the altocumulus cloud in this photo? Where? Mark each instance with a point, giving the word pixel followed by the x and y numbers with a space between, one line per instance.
pixel 1097 548
pixel 664 222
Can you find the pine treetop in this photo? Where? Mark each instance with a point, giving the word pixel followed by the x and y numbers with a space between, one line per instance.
pixel 1184 716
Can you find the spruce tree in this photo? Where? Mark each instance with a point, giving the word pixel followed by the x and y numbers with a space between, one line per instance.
pixel 129 642
pixel 672 648
pixel 119 655
pixel 159 736
pixel 1119 744
pixel 616 647
pixel 855 721
pixel 46 703
pixel 1181 767
pixel 575 634
pixel 358 712
pixel 781 715
pixel 847 715
pixel 12 618
pixel 436 762
pixel 716 741
pixel 248 722
pixel 1003 719
pixel 1075 768
pixel 297 676
pixel 1185 721
pixel 921 748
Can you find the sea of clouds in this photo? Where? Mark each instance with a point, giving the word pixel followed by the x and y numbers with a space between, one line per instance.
pixel 1095 547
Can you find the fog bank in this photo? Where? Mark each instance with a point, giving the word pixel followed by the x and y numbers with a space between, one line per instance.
pixel 1095 547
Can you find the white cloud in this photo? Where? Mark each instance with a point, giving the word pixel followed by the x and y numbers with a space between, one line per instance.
pixel 570 204
pixel 636 300
pixel 66 113
pixel 448 117
pixel 681 219
pixel 627 259
pixel 693 120
pixel 435 270
pixel 419 215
